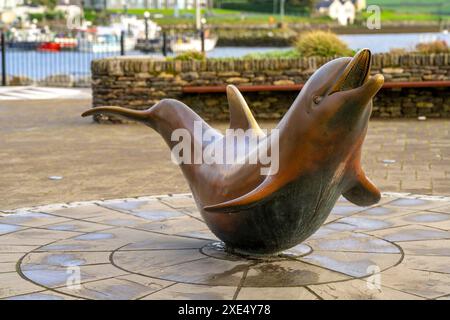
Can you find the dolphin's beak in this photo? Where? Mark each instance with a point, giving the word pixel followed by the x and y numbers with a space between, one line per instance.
pixel 357 73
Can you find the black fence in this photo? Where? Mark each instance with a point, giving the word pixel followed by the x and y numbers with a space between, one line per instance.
pixel 64 61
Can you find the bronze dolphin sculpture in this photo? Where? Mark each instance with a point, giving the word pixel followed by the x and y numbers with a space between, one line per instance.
pixel 320 140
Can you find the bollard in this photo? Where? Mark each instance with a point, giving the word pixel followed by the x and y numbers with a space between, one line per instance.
pixel 3 45
pixel 202 39
pixel 122 43
pixel 164 44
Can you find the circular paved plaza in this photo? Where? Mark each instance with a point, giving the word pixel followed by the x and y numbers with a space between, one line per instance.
pixel 159 248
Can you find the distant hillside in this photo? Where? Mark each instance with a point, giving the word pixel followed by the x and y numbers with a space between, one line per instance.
pixel 438 7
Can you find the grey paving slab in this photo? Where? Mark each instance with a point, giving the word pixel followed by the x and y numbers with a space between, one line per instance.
pixel 66 258
pixel 355 264
pixel 206 270
pixel 7 228
pixel 425 284
pixel 182 291
pixel 8 248
pixel 7 267
pixel 358 290
pixel 112 289
pixel 43 295
pixel 158 248
pixel 81 212
pixel 30 219
pixel 353 242
pixel 436 264
pixel 77 226
pixel 289 273
pixel 416 203
pixel 423 144
pixel 443 209
pixel 12 284
pixel 428 218
pixel 427 248
pixel 411 233
pixel 276 293
pixel 52 276
pixel 179 225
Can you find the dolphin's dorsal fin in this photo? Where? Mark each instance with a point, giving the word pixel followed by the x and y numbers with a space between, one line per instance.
pixel 363 192
pixel 240 115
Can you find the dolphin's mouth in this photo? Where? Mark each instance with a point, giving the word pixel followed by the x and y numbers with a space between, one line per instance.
pixel 356 73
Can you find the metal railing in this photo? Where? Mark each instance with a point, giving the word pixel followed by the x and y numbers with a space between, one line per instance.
pixel 65 61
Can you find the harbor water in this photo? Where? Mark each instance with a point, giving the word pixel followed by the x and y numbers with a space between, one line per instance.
pixel 38 65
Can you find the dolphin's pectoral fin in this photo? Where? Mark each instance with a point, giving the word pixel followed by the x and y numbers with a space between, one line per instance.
pixel 257 196
pixel 363 192
pixel 241 116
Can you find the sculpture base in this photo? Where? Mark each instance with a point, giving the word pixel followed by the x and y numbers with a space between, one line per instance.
pixel 221 251
pixel 152 251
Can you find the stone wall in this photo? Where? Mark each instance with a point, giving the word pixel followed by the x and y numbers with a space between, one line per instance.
pixel 139 82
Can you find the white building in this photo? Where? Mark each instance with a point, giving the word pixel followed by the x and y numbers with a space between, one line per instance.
pixel 9 4
pixel 19 9
pixel 343 11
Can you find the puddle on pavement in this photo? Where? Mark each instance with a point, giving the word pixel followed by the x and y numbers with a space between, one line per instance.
pixel 36 296
pixel 95 236
pixel 275 275
pixel 6 228
pixel 218 250
pixel 404 202
pixel 156 215
pixel 64 260
pixel 62 227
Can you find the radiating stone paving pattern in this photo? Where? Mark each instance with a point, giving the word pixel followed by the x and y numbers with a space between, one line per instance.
pixel 159 248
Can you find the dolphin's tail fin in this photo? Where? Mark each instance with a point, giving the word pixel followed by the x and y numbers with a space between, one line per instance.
pixel 144 116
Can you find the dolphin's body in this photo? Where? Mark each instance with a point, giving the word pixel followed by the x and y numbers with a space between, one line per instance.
pixel 320 140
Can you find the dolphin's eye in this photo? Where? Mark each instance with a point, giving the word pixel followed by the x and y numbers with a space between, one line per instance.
pixel 317 99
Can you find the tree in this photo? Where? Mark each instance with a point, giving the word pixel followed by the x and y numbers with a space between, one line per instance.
pixel 48 3
pixel 308 5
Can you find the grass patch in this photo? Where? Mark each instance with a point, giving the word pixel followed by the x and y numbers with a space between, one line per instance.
pixel 432 7
pixel 389 15
pixel 395 11
pixel 214 17
pixel 276 54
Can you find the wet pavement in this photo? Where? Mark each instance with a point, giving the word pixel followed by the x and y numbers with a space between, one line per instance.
pixel 159 248
pixel 41 139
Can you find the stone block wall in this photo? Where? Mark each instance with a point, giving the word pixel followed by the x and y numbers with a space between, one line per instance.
pixel 140 82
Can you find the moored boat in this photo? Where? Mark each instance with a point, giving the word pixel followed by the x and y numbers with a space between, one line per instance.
pixel 192 44
pixel 104 39
pixel 49 47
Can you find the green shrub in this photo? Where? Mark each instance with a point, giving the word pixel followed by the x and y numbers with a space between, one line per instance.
pixel 47 15
pixel 321 44
pixel 438 46
pixel 190 55
pixel 37 16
